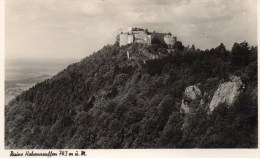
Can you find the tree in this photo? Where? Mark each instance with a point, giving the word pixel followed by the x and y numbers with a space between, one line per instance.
pixel 240 53
pixel 117 40
pixel 159 42
pixel 178 45
pixel 193 47
pixel 146 31
pixel 221 48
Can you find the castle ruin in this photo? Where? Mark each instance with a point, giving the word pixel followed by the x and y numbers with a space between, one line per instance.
pixel 139 35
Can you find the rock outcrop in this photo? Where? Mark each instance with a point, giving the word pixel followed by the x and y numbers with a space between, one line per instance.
pixel 226 93
pixel 191 93
pixel 190 104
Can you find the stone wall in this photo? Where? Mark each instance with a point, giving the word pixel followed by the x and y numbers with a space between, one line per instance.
pixel 139 35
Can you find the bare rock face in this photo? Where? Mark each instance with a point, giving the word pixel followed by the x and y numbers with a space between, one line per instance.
pixel 190 104
pixel 227 92
pixel 191 93
pixel 184 107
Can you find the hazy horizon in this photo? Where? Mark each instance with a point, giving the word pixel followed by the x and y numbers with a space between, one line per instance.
pixel 20 69
pixel 66 29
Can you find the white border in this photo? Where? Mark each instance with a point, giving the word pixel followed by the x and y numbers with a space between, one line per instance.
pixel 123 153
pixel 2 73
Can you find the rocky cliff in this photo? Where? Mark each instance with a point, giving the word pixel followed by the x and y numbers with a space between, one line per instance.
pixel 227 92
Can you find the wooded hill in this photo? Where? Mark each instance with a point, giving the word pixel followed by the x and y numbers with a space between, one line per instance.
pixel 109 101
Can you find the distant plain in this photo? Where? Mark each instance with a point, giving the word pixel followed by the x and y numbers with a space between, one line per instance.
pixel 21 74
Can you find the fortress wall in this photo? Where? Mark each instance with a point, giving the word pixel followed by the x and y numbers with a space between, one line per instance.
pixel 138 35
pixel 123 39
pixel 142 38
pixel 138 32
pixel 130 39
pixel 149 39
pixel 169 40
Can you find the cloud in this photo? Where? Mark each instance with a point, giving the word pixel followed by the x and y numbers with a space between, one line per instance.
pixel 77 28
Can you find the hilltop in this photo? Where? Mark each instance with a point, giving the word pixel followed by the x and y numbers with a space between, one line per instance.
pixel 185 98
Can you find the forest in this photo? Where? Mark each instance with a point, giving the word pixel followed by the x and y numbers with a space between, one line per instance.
pixel 107 101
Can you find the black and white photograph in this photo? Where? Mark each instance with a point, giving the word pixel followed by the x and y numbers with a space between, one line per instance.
pixel 132 74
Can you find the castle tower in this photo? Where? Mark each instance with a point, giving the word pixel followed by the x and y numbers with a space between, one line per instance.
pixel 170 40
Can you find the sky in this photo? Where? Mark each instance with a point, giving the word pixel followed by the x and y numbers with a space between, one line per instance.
pixel 76 28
